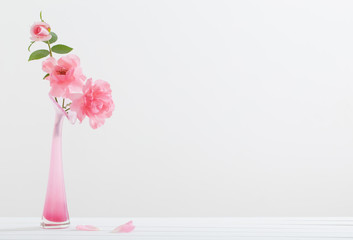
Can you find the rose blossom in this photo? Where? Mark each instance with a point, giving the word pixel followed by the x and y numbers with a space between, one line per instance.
pixel 40 31
pixel 95 102
pixel 65 75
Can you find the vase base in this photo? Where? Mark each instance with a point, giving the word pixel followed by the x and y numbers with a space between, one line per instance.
pixel 54 225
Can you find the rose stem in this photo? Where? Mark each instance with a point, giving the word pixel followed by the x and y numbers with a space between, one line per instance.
pixel 50 52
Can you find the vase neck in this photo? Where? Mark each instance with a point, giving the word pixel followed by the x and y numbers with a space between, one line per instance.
pixel 58 124
pixel 57 108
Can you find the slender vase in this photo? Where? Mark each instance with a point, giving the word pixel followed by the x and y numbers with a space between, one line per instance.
pixel 55 214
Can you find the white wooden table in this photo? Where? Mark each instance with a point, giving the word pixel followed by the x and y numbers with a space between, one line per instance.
pixel 186 229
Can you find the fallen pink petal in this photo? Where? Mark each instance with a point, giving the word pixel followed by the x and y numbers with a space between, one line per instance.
pixel 125 228
pixel 86 228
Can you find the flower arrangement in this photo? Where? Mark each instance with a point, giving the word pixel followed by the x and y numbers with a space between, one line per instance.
pixel 78 96
pixel 75 97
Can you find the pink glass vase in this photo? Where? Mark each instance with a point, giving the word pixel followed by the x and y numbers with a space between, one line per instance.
pixel 55 214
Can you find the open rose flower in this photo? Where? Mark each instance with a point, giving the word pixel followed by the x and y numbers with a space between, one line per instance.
pixel 65 75
pixel 95 102
pixel 40 31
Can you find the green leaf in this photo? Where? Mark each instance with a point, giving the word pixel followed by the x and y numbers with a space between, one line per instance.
pixel 61 49
pixel 53 39
pixel 38 54
pixel 40 15
pixel 30 45
pixel 46 75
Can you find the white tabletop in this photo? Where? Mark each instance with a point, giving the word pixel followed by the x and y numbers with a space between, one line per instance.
pixel 186 228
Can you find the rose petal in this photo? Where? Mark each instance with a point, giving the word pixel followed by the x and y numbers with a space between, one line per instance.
pixel 125 228
pixel 86 228
pixel 72 116
pixel 48 65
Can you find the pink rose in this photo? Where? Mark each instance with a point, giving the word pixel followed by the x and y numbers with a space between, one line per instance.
pixel 65 75
pixel 95 102
pixel 40 31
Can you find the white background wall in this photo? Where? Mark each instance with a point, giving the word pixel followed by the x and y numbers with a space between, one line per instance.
pixel 223 108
